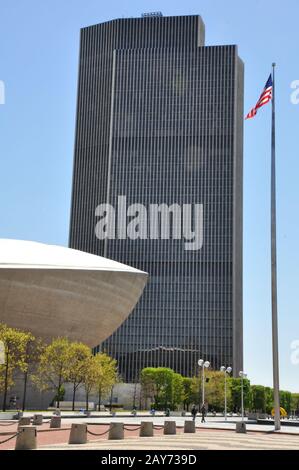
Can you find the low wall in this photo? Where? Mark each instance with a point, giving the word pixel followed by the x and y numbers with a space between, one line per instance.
pixel 124 396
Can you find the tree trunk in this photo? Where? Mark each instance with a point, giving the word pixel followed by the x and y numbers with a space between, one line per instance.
pixel 58 393
pixel 111 395
pixel 99 398
pixel 24 390
pixel 74 397
pixel 5 384
pixel 87 396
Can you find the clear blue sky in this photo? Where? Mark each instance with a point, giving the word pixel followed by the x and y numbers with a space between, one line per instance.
pixel 39 61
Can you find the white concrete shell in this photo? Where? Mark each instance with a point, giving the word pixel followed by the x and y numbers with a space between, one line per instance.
pixel 56 291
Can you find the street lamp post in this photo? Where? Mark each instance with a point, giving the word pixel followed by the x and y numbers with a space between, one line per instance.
pixel 243 376
pixel 226 370
pixel 203 365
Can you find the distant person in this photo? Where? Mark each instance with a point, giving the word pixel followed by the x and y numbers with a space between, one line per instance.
pixel 194 412
pixel 13 402
pixel 203 413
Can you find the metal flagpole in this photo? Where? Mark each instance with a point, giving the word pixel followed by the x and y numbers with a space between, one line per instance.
pixel 273 266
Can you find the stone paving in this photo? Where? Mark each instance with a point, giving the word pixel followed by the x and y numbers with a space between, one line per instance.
pixel 211 422
pixel 214 434
pixel 202 440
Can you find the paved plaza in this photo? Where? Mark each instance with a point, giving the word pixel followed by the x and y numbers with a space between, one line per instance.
pixel 215 434
pixel 206 439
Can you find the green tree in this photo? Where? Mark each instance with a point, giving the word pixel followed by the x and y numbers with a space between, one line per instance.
pixel 196 391
pixel 258 398
pixel 78 353
pixel 285 400
pixel 106 375
pixel 54 367
pixel 148 384
pixel 295 401
pixel 158 383
pixel 91 369
pixel 235 387
pixel 269 398
pixel 187 392
pixel 163 381
pixel 214 390
pixel 177 390
pixel 33 350
pixel 14 342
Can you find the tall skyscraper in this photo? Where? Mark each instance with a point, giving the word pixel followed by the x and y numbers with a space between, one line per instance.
pixel 160 121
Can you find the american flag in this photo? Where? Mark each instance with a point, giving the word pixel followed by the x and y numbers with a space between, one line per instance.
pixel 265 97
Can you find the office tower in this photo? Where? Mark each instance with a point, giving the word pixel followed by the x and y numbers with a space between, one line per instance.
pixel 160 121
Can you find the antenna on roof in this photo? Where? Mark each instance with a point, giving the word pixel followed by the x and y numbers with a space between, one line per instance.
pixel 151 14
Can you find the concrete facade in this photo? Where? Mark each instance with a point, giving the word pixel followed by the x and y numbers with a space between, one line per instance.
pixel 55 291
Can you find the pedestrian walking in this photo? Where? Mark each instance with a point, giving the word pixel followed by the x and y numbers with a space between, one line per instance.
pixel 194 412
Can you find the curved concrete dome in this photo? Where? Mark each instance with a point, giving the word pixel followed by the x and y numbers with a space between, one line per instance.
pixel 56 291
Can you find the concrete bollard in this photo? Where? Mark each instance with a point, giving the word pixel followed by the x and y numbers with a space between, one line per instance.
pixel 147 429
pixel 189 426
pixel 241 427
pixel 24 422
pixel 116 431
pixel 78 434
pixel 169 427
pixel 26 440
pixel 37 420
pixel 55 422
